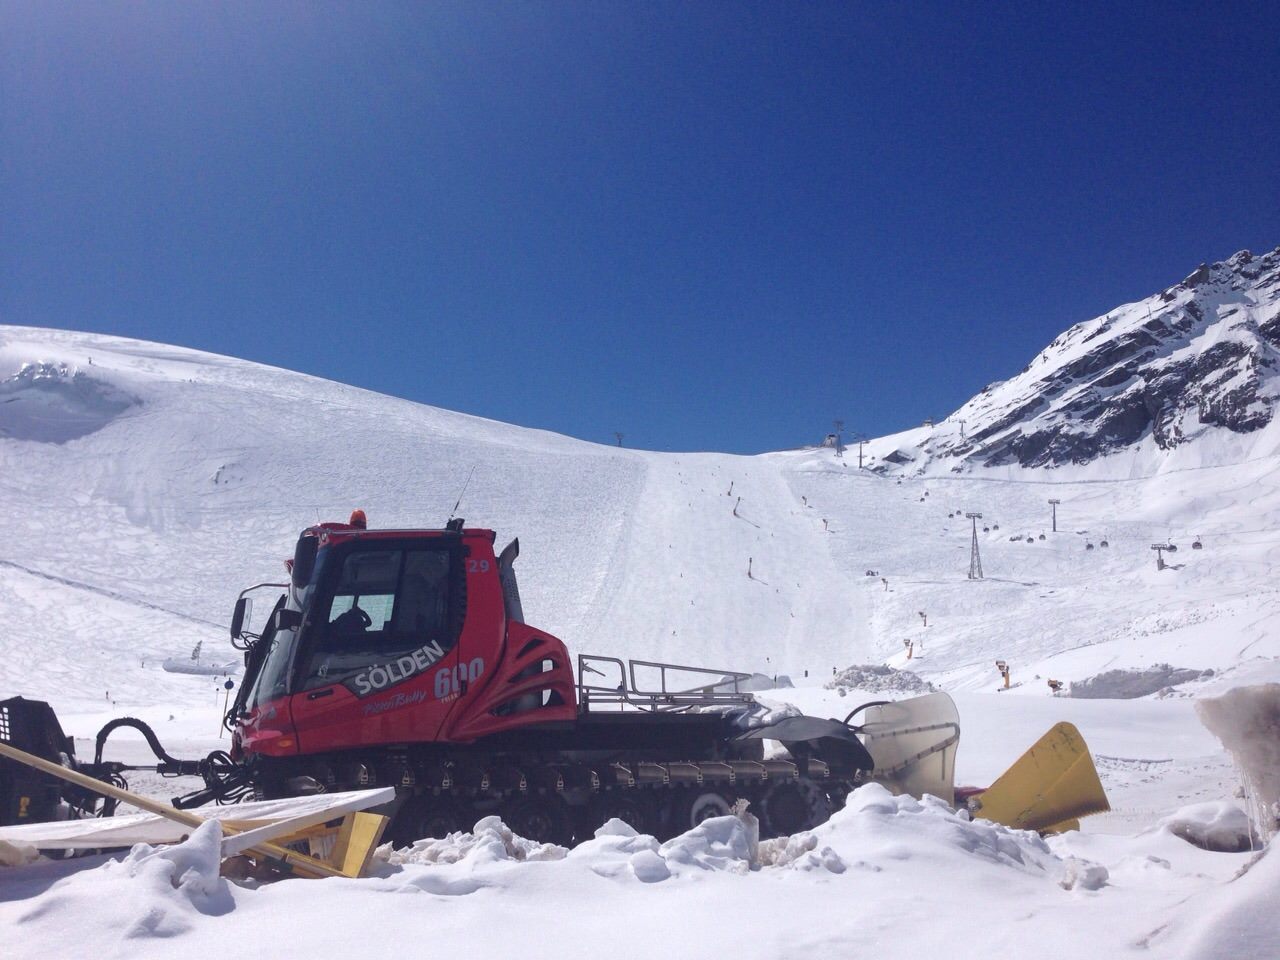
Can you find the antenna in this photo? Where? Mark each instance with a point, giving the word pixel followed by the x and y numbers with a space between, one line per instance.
pixel 458 502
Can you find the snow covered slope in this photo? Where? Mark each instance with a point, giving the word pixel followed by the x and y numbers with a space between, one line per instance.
pixel 151 479
pixel 145 485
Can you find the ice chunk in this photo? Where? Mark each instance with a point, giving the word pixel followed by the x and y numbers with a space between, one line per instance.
pixel 720 843
pixel 490 841
pixel 799 852
pixel 1247 721
pixel 1222 827
pixel 1080 874
pixel 16 853
pixel 649 867
pixel 613 827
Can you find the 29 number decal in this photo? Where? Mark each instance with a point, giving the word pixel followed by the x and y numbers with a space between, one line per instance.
pixel 477 566
pixel 449 680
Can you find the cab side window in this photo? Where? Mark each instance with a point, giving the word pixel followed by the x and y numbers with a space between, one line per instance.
pixel 365 593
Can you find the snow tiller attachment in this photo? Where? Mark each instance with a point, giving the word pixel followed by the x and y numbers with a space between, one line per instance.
pixel 26 795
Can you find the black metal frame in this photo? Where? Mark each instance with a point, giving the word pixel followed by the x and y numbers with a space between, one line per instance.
pixel 719 688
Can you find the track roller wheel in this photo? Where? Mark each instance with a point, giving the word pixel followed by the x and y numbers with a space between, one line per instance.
pixel 793 807
pixel 429 816
pixel 691 805
pixel 543 818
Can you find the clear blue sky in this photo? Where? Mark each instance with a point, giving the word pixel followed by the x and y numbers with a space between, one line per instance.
pixel 707 225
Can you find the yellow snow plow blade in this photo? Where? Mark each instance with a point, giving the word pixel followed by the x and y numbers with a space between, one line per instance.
pixel 1052 784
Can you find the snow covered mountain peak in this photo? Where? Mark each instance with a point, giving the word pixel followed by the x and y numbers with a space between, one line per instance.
pixel 1189 375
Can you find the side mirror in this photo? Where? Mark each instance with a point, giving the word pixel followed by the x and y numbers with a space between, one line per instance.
pixel 286 620
pixel 244 607
pixel 304 560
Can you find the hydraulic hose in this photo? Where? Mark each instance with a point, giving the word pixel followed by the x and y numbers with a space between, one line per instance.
pixel 169 766
pixel 225 780
pixel 859 709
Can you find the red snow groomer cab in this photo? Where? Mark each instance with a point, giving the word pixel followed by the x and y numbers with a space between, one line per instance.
pixel 402 657
pixel 396 636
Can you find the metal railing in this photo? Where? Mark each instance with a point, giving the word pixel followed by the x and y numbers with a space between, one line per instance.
pixel 666 690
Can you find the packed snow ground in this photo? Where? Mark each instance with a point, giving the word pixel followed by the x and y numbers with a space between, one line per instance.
pixel 888 876
pixel 146 487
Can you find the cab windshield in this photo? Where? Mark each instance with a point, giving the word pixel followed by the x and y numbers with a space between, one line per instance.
pixel 272 681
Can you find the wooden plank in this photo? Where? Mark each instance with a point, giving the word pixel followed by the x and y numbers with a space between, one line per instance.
pixel 126 829
pixel 357 840
pixel 297 862
pixel 240 842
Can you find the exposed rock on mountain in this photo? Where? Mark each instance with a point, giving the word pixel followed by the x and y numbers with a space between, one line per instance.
pixel 1199 357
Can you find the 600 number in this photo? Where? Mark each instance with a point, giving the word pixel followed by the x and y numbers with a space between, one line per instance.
pixel 450 680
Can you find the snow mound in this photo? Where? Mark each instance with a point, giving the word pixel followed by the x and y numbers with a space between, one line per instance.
pixel 153 892
pixel 727 844
pixel 760 714
pixel 720 843
pixel 16 853
pixel 1219 826
pixel 884 829
pixel 190 868
pixel 619 849
pixel 878 678
pixel 1131 684
pixel 490 841
pixel 53 403
pixel 875 831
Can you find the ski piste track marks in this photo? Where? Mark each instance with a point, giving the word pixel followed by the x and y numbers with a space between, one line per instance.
pixel 626 552
pixel 111 594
